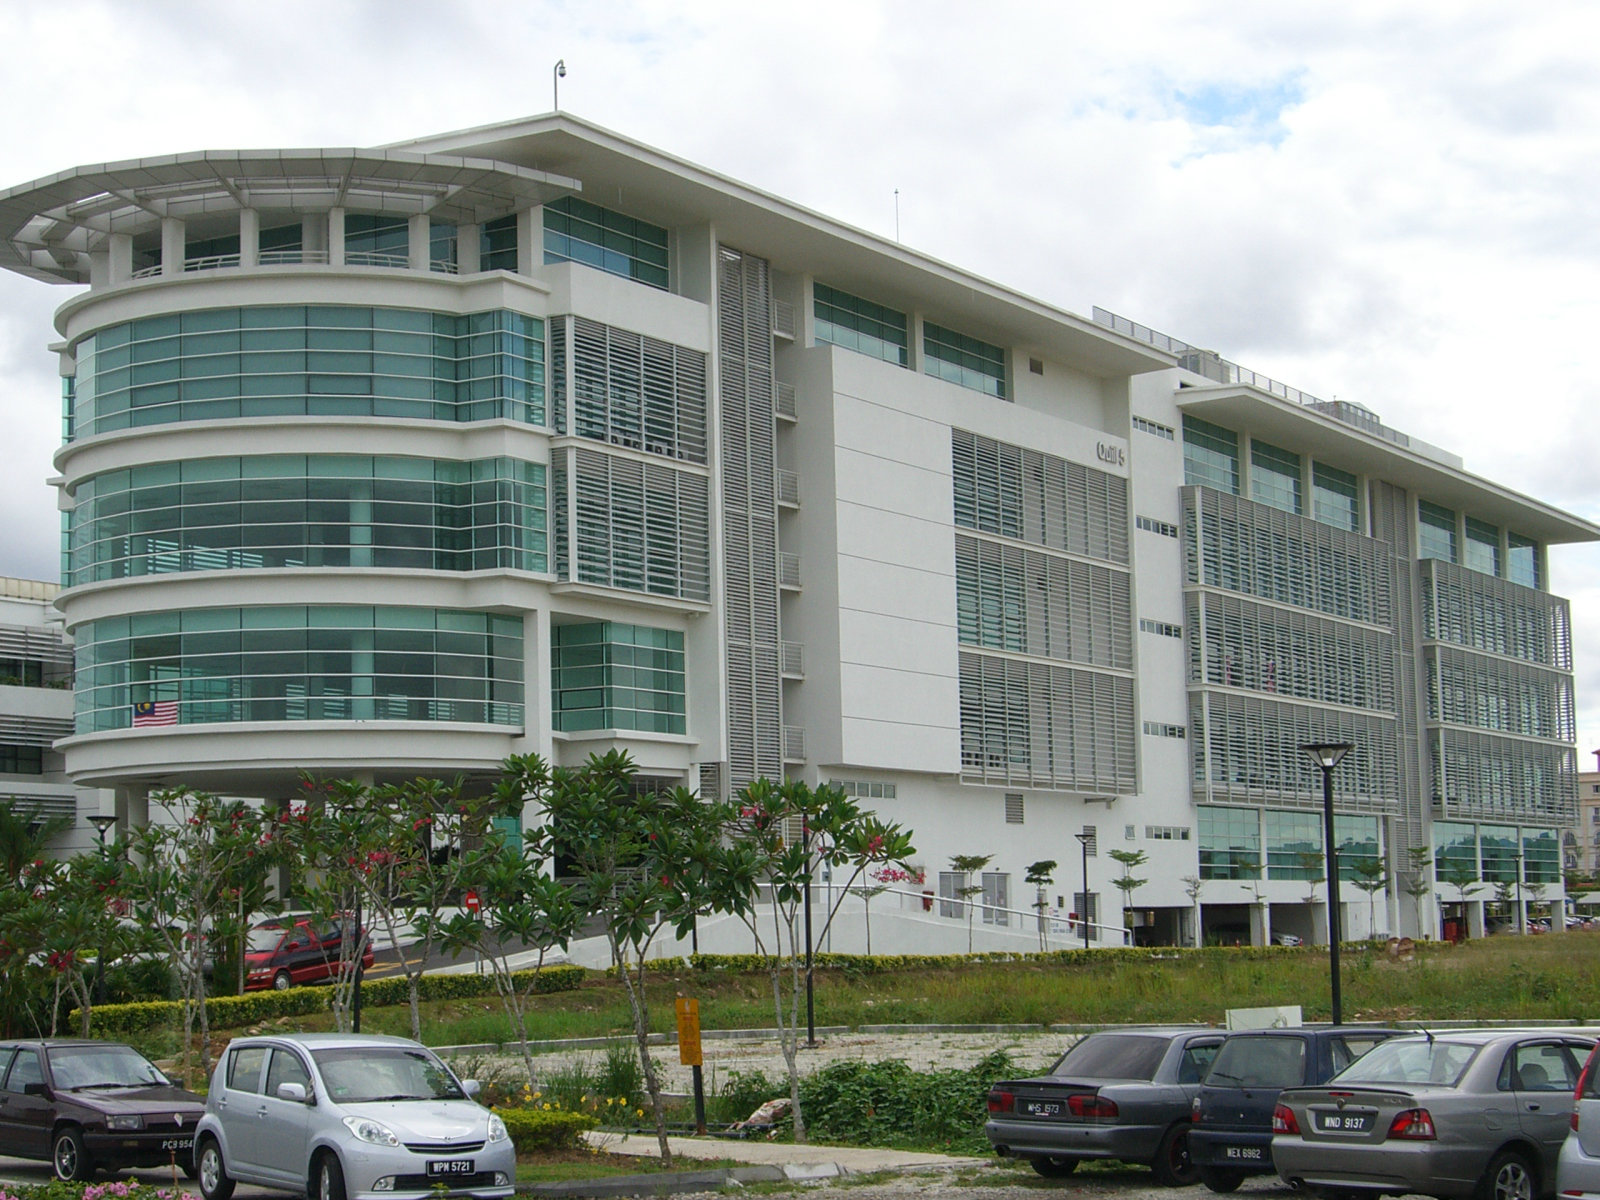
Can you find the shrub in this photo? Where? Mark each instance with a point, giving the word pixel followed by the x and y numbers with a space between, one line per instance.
pixel 889 1104
pixel 536 1129
pixel 741 1094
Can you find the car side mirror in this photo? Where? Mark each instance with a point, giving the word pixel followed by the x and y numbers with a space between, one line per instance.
pixel 294 1092
pixel 294 945
pixel 33 1089
pixel 471 1087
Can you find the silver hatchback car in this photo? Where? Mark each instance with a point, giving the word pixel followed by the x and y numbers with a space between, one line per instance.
pixel 347 1117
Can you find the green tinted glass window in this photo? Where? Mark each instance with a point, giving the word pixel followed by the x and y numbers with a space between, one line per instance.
pixel 1210 456
pixel 1333 497
pixel 1482 547
pixel 497 244
pixel 610 675
pixel 1275 477
pixel 1436 532
pixel 860 325
pixel 1230 842
pixel 964 360
pixel 289 663
pixel 1294 845
pixel 1522 560
pixel 287 360
pixel 577 231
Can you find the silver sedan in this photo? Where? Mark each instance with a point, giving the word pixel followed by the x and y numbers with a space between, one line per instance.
pixel 1458 1114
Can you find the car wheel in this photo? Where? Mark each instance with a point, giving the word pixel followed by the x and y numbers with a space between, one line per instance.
pixel 1509 1177
pixel 1172 1166
pixel 1054 1166
pixel 70 1159
pixel 1221 1179
pixel 214 1181
pixel 281 981
pixel 330 1179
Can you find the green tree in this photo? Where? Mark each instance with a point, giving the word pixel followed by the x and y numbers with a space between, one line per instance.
pixel 1461 875
pixel 180 880
pixel 1315 867
pixel 967 866
pixel 521 906
pixel 1371 878
pixel 1193 885
pixel 24 850
pixel 1042 875
pixel 639 861
pixel 1419 868
pixel 784 834
pixel 1126 883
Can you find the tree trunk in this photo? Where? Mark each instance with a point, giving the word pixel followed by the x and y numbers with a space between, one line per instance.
pixel 641 1035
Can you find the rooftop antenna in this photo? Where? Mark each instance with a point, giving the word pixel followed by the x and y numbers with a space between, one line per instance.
pixel 556 76
pixel 897 239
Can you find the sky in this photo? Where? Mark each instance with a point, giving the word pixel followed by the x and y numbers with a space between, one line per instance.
pixel 1384 202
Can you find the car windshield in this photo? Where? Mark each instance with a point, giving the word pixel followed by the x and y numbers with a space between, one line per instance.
pixel 1434 1062
pixel 264 938
pixel 361 1074
pixel 1112 1056
pixel 102 1066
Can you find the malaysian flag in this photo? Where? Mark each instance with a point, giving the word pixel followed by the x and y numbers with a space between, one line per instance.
pixel 149 713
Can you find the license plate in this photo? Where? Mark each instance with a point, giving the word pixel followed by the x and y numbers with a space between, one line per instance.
pixel 1250 1152
pixel 1042 1108
pixel 178 1144
pixel 450 1166
pixel 1344 1122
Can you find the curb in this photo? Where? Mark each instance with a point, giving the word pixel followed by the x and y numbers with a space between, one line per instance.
pixel 663 1183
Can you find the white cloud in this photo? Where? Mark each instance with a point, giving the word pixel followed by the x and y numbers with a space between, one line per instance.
pixel 1390 204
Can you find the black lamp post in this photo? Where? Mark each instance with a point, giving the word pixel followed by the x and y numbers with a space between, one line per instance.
pixel 811 1011
pixel 1327 756
pixel 102 823
pixel 1083 840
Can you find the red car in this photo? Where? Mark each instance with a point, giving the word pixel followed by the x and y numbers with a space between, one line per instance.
pixel 289 951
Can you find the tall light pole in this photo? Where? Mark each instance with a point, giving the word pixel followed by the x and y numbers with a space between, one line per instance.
pixel 557 74
pixel 1327 756
pixel 102 823
pixel 1083 840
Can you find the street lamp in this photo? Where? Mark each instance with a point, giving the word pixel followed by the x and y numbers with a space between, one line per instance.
pixel 1083 840
pixel 1327 756
pixel 557 74
pixel 102 823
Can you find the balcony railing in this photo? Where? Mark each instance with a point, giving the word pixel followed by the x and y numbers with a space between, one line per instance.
pixel 792 664
pixel 300 258
pixel 789 571
pixel 783 319
pixel 789 488
pixel 784 401
pixel 794 743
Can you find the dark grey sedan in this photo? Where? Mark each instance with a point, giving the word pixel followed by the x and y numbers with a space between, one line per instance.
pixel 1117 1094
pixel 1466 1113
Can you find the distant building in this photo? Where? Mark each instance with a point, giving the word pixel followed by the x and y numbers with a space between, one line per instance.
pixel 36 712
pixel 535 438
pixel 1581 842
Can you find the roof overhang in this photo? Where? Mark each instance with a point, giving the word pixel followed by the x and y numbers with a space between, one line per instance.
pixel 646 183
pixel 1351 448
pixel 49 227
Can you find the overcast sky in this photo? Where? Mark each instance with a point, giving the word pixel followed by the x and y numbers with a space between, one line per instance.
pixel 1384 202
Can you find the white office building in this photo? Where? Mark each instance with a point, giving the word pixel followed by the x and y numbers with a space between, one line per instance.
pixel 533 438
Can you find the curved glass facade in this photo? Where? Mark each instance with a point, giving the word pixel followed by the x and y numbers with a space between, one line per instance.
pixel 310 360
pixel 276 511
pixel 299 663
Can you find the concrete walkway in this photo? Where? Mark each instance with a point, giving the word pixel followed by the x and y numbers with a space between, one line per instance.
pixel 798 1161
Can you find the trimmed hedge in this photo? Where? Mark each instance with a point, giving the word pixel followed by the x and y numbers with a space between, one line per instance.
pixel 535 1129
pixel 229 1012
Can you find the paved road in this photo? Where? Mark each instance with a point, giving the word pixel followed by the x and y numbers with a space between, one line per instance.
pixel 22 1171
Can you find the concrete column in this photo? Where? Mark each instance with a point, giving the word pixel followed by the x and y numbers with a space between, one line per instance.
pixel 119 257
pixel 419 237
pixel 336 237
pixel 249 238
pixel 313 233
pixel 174 246
pixel 530 240
pixel 468 238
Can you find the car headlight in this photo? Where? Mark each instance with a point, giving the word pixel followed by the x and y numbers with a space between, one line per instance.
pixel 125 1121
pixel 368 1130
pixel 497 1128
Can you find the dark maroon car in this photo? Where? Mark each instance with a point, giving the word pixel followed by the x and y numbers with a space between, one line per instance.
pixel 83 1105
